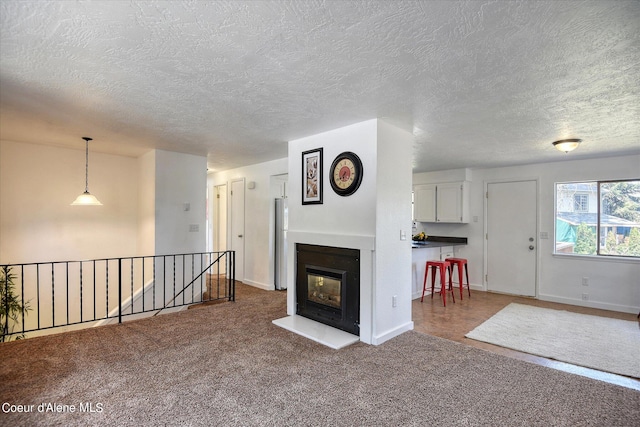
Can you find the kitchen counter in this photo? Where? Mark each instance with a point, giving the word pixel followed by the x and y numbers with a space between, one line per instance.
pixel 438 242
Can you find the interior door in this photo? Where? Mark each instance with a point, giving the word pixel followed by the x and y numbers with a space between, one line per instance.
pixel 237 237
pixel 512 237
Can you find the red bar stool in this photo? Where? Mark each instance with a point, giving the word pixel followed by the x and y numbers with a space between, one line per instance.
pixel 442 267
pixel 459 262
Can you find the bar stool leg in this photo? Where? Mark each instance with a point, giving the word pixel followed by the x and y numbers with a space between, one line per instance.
pixel 433 280
pixel 460 277
pixel 424 283
pixel 443 287
pixel 466 271
pixel 453 295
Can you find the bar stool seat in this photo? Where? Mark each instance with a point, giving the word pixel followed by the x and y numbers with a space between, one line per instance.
pixel 459 262
pixel 443 267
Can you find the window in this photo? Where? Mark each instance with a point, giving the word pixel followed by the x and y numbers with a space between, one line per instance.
pixel 598 218
pixel 581 202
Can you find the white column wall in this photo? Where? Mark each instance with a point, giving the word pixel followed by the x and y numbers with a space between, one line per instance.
pixel 147 203
pixel 337 215
pixel 393 217
pixel 369 220
pixel 180 179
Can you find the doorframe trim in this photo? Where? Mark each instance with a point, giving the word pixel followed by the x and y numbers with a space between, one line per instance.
pixel 216 242
pixel 485 264
pixel 230 221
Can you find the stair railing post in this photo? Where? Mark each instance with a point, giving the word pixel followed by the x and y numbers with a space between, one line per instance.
pixel 233 276
pixel 5 322
pixel 119 290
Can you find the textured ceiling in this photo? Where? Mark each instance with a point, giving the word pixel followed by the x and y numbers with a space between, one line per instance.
pixel 479 83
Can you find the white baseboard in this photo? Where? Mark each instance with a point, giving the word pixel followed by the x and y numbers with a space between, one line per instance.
pixel 379 339
pixel 590 304
pixel 263 286
pixel 418 295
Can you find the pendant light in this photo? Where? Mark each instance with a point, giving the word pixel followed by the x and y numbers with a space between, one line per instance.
pixel 86 198
pixel 567 145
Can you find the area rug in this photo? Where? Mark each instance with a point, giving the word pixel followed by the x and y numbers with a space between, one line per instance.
pixel 610 345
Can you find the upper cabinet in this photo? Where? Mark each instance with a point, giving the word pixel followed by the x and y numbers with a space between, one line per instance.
pixel 424 203
pixel 448 202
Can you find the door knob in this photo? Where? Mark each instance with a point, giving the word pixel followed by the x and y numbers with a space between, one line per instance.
pixel 531 239
pixel 239 235
pixel 531 247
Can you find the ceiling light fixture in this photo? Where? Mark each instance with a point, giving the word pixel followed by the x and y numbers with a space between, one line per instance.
pixel 567 145
pixel 86 198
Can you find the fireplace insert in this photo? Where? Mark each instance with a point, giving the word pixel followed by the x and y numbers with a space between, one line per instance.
pixel 328 285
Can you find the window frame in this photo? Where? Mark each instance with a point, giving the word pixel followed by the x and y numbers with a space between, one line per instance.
pixel 598 231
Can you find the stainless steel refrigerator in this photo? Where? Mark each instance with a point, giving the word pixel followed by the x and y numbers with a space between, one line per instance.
pixel 282 224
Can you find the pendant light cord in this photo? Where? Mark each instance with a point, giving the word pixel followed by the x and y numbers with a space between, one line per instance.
pixel 86 165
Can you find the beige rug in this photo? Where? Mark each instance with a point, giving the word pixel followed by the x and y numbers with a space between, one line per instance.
pixel 610 345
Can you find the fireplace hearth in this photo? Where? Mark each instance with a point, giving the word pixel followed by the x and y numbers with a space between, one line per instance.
pixel 328 285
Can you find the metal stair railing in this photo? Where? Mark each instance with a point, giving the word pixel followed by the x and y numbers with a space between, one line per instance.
pixel 231 298
pixel 63 294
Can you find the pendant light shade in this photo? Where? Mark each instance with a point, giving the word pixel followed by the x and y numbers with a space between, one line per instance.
pixel 86 198
pixel 567 145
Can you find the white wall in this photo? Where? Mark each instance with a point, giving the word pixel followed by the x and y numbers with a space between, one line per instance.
pixel 393 218
pixel 147 203
pixel 614 284
pixel 180 179
pixel 355 214
pixel 259 213
pixel 38 184
pixel 142 214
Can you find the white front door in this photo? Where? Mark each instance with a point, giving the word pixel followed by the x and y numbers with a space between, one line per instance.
pixel 237 237
pixel 511 237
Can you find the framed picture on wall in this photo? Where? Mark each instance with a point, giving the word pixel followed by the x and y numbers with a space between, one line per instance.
pixel 312 177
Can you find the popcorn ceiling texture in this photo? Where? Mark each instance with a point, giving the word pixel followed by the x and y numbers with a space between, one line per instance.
pixel 480 83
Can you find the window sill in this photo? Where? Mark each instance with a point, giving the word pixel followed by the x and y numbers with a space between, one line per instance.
pixel 604 258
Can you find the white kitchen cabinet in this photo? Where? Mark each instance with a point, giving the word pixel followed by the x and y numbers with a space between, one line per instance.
pixel 447 202
pixel 424 203
pixel 446 252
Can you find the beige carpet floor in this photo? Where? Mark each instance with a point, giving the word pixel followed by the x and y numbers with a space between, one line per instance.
pixel 228 365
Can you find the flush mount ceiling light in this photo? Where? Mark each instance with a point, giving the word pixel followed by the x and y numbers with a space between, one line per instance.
pixel 567 145
pixel 86 198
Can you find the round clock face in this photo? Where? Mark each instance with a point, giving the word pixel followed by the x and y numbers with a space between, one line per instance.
pixel 346 173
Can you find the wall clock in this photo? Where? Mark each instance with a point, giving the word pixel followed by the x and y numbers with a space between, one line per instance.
pixel 346 173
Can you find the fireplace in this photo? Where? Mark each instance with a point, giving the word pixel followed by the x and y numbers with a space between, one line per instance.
pixel 328 285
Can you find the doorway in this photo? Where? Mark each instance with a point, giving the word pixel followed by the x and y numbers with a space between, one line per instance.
pixel 511 237
pixel 220 223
